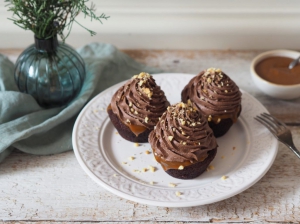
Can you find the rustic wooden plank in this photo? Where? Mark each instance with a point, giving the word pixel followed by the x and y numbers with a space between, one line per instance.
pixel 54 187
pixel 44 189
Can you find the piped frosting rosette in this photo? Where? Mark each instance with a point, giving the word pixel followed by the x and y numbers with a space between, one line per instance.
pixel 182 137
pixel 214 93
pixel 139 102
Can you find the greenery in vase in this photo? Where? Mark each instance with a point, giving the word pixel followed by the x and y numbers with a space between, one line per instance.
pixel 47 18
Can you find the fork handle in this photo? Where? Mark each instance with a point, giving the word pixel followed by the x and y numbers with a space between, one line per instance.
pixel 293 148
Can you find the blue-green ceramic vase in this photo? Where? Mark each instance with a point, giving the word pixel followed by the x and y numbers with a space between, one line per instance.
pixel 51 71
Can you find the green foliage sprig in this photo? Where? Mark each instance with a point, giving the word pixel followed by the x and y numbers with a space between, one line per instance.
pixel 47 18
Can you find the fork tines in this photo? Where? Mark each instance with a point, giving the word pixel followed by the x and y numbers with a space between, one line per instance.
pixel 274 125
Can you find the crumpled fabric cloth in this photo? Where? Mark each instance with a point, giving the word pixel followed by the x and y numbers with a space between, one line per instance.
pixel 32 129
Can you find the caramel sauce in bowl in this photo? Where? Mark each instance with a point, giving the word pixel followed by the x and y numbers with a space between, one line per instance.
pixel 272 76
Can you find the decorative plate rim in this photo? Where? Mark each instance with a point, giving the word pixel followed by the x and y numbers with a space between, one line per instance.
pixel 91 165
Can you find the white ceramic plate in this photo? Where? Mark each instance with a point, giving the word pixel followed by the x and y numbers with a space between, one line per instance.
pixel 244 155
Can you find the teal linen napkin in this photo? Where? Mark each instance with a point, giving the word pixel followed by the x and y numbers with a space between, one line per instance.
pixel 28 127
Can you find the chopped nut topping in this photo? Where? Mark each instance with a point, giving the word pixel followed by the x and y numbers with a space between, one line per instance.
pixel 226 91
pixel 136 144
pixel 131 109
pixel 146 119
pixel 211 167
pixel 177 193
pixel 135 112
pixel 116 133
pixel 182 122
pixel 209 80
pixel 172 185
pixel 184 143
pixel 152 169
pixel 147 152
pixel 183 133
pixel 224 177
pixel 130 104
pixel 218 70
pixel 193 124
pixel 141 83
pixel 209 118
pixel 218 121
pixel 127 121
pixel 124 163
pixel 144 170
pixel 170 138
pixel 131 158
pixel 181 167
pixel 148 92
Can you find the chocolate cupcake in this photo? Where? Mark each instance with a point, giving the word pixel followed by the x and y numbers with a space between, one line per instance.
pixel 217 96
pixel 136 107
pixel 182 141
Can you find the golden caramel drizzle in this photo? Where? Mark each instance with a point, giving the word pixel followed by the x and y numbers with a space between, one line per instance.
pixel 136 129
pixel 167 165
pixel 233 116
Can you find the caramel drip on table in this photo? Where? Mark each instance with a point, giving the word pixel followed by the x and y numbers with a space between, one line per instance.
pixel 167 165
pixel 136 129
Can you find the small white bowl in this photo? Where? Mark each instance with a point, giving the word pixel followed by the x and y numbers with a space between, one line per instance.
pixel 286 92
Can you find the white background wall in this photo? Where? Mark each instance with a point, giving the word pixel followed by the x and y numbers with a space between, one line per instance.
pixel 180 24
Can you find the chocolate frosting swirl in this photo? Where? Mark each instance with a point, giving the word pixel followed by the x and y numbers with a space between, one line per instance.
pixel 139 101
pixel 213 92
pixel 182 134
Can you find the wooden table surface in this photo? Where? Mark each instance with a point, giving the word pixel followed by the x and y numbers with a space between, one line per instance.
pixel 47 189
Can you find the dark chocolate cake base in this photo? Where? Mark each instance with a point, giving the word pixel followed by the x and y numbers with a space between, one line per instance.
pixel 195 170
pixel 125 131
pixel 221 128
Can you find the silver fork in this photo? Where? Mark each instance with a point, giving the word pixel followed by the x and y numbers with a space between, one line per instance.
pixel 279 130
